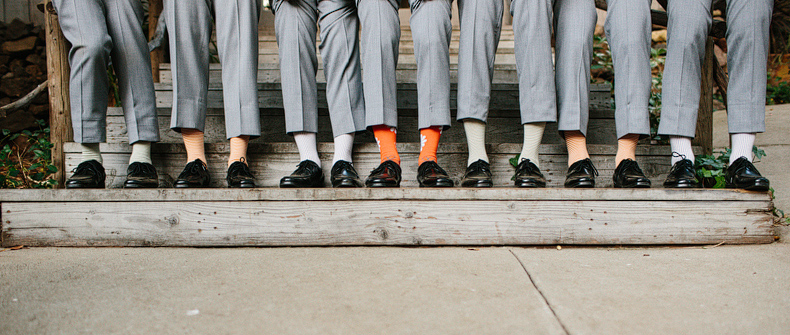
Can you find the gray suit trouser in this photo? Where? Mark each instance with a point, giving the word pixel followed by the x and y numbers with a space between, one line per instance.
pixel 628 27
pixel 431 25
pixel 189 27
pixel 100 30
pixel 378 56
pixel 543 92
pixel 295 26
pixel 747 43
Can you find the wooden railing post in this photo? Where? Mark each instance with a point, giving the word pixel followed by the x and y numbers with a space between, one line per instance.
pixel 705 115
pixel 59 103
pixel 158 55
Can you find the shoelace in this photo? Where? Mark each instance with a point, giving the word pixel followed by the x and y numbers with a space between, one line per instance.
pixel 480 165
pixel 342 165
pixel 240 169
pixel 383 167
pixel 305 166
pixel 83 168
pixel 525 166
pixel 192 168
pixel 140 168
pixel 432 165
pixel 632 164
pixel 579 167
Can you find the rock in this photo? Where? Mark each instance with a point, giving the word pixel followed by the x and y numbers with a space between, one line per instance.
pixel 24 45
pixel 17 87
pixel 39 111
pixel 659 35
pixel 17 121
pixel 17 29
pixel 33 70
pixel 8 75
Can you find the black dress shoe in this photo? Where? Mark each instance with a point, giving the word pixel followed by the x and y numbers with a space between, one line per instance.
pixel 430 174
pixel 682 175
pixel 742 174
pixel 344 175
pixel 141 175
pixel 629 175
pixel 89 174
pixel 478 174
pixel 581 174
pixel 387 174
pixel 307 174
pixel 239 176
pixel 195 174
pixel 528 175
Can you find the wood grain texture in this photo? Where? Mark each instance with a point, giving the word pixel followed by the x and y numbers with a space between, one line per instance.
pixel 271 161
pixel 59 102
pixel 157 56
pixel 400 222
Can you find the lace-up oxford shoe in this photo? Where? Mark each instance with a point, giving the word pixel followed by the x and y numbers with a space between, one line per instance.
pixel 581 174
pixel 387 174
pixel 141 175
pixel 89 174
pixel 478 174
pixel 430 174
pixel 195 174
pixel 742 174
pixel 307 175
pixel 344 175
pixel 629 175
pixel 528 175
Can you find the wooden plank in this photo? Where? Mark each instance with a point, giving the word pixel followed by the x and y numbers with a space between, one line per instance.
pixel 59 101
pixel 271 161
pixel 400 222
pixel 411 193
pixel 503 96
pixel 704 130
pixel 158 55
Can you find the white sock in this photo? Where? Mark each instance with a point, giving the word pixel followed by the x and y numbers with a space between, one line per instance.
pixel 91 151
pixel 533 135
pixel 141 152
pixel 682 146
pixel 742 145
pixel 308 149
pixel 475 140
pixel 343 147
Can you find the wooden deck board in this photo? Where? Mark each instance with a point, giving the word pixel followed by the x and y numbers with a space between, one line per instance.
pixel 403 217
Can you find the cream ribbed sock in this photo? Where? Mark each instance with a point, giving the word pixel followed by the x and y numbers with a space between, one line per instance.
pixel 238 149
pixel 576 143
pixel 475 140
pixel 533 135
pixel 682 146
pixel 141 152
pixel 91 151
pixel 742 145
pixel 626 148
pixel 193 142
pixel 344 144
pixel 308 149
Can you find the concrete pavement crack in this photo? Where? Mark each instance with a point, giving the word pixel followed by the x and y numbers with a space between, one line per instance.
pixel 542 295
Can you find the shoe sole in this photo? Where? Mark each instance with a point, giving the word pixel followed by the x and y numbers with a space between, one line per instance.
pixel 382 185
pixel 443 184
pixel 85 187
pixel 756 187
pixel 136 185
pixel 637 185
pixel 529 184
pixel 681 185
pixel 346 183
pixel 479 184
pixel 583 184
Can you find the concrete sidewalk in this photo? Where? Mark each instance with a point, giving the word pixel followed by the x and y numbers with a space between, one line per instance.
pixel 728 289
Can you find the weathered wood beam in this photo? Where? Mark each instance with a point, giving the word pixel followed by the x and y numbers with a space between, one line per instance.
pixel 157 55
pixel 705 115
pixel 59 102
pixel 396 217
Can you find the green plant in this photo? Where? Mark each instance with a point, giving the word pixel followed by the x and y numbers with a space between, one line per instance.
pixel 712 169
pixel 26 160
pixel 778 93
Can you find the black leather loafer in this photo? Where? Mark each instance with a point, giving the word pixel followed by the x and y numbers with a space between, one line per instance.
pixel 195 174
pixel 307 174
pixel 430 174
pixel 239 176
pixel 581 174
pixel 629 175
pixel 478 174
pixel 528 175
pixel 387 174
pixel 344 175
pixel 89 174
pixel 141 175
pixel 682 175
pixel 742 174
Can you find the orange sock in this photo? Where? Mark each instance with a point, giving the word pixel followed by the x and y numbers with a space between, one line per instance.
pixel 385 137
pixel 626 148
pixel 238 149
pixel 577 146
pixel 193 142
pixel 429 143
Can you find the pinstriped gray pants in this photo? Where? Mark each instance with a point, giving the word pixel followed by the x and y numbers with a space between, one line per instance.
pixel 543 93
pixel 747 43
pixel 101 30
pixel 189 28
pixel 481 24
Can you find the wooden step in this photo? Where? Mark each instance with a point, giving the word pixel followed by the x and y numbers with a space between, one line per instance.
pixel 271 161
pixel 395 217
pixel 503 127
pixel 405 73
